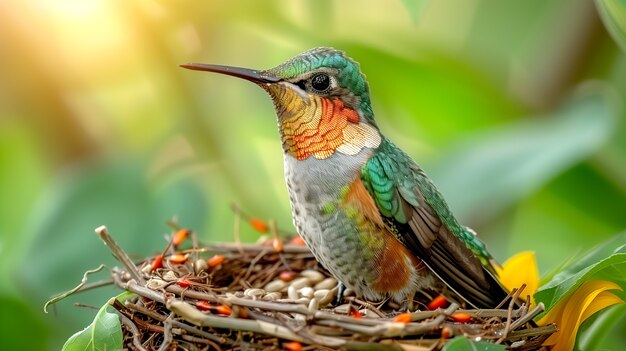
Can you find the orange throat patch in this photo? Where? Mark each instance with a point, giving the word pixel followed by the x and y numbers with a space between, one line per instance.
pixel 322 127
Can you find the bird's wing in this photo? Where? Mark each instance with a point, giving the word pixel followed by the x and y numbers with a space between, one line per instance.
pixel 417 214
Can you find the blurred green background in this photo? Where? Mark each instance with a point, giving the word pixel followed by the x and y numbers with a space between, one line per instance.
pixel 513 107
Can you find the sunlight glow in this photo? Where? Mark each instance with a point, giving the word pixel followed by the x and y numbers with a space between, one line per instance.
pixel 84 35
pixel 73 9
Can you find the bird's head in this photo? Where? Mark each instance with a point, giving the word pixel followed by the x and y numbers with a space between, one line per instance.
pixel 321 99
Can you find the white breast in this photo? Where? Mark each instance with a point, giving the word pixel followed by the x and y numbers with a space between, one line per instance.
pixel 312 183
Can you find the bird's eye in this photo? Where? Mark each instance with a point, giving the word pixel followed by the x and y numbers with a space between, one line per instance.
pixel 320 82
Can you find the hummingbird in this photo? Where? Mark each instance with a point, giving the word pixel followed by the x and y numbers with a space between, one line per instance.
pixel 369 214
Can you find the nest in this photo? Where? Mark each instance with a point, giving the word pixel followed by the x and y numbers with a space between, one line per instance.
pixel 266 297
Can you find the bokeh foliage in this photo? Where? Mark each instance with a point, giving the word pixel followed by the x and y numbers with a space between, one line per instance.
pixel 513 107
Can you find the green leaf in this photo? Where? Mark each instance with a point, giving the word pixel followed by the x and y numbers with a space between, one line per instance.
pixel 104 333
pixel 462 343
pixel 126 295
pixel 606 262
pixel 494 169
pixel 595 335
pixel 613 14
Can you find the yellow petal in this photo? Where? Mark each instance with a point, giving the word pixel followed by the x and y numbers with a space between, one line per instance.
pixel 520 269
pixel 572 311
pixel 603 300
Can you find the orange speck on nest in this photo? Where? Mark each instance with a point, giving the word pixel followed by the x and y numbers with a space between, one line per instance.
pixel 278 245
pixel 258 225
pixel 446 333
pixel 157 263
pixel 355 314
pixel 183 283
pixel 402 318
pixel 297 240
pixel 292 346
pixel 461 317
pixel 438 302
pixel 287 276
pixel 216 260
pixel 177 258
pixel 180 236
pixel 203 305
pixel 223 310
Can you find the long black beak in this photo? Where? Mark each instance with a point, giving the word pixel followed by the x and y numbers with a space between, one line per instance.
pixel 244 73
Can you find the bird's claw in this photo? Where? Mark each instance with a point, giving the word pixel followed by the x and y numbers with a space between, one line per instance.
pixel 340 290
pixel 406 306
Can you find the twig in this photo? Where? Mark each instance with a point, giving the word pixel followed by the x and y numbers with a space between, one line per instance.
pixel 237 227
pixel 194 245
pixel 120 254
pixel 544 330
pixel 323 315
pixel 132 327
pixel 249 248
pixel 509 295
pixel 92 307
pixel 204 337
pixel 146 325
pixel 196 339
pixel 193 316
pixel 271 273
pixel 267 305
pixel 95 285
pixel 487 313
pixel 254 262
pixel 416 328
pixel 188 328
pixel 376 346
pixel 386 328
pixel 528 316
pixel 132 286
pixel 83 282
pixel 167 333
pixel 367 305
pixel 507 327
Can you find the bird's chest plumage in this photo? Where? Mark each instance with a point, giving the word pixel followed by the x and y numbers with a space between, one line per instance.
pixel 315 187
pixel 351 247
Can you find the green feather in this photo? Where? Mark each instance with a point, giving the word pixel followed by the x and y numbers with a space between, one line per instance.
pixel 392 177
